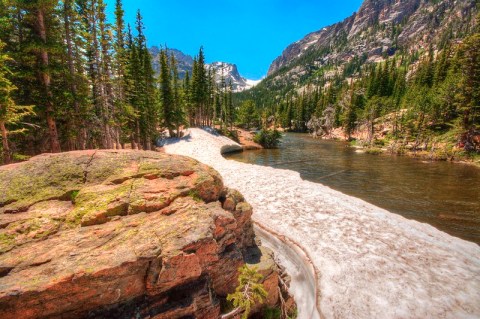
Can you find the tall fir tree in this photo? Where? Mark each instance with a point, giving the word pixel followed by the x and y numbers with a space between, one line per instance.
pixel 42 17
pixel 166 94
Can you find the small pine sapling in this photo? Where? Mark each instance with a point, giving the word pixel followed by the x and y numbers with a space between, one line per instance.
pixel 249 290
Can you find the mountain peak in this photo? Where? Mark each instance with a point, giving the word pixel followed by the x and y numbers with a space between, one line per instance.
pixel 227 71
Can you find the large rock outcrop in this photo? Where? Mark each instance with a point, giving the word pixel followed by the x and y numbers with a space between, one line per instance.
pixel 121 234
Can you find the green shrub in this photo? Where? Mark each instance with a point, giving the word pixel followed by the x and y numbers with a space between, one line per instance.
pixel 231 134
pixel 373 151
pixel 268 138
pixel 272 313
pixel 20 157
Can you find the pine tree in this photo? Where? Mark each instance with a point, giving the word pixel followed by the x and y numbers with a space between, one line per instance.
pixel 110 131
pixel 132 92
pixel 351 112
pixel 120 54
pixel 42 16
pixel 229 104
pixel 140 110
pixel 200 90
pixel 10 113
pixel 178 101
pixel 76 127
pixel 166 94
pixel 187 96
pixel 470 66
pixel 249 290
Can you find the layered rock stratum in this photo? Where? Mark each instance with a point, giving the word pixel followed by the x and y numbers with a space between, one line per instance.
pixel 119 234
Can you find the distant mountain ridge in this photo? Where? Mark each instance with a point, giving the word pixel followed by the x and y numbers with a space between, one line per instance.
pixel 227 72
pixel 184 61
pixel 378 29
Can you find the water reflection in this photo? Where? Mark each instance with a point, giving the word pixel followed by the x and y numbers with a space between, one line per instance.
pixel 445 195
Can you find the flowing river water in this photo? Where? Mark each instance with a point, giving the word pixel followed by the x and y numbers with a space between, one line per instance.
pixel 445 195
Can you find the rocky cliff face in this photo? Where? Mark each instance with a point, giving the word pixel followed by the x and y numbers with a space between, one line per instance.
pixel 107 234
pixel 184 61
pixel 379 28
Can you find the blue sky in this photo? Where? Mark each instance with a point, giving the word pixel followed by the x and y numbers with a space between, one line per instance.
pixel 249 33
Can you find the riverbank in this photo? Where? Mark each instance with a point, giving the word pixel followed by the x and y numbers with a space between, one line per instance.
pixel 447 146
pixel 442 194
pixel 434 152
pixel 369 263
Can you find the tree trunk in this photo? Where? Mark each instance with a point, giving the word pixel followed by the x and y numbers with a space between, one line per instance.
pixel 80 142
pixel 132 141
pixel 106 75
pixel 45 80
pixel 137 134
pixel 7 157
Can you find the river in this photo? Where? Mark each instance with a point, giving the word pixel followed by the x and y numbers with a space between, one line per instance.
pixel 445 195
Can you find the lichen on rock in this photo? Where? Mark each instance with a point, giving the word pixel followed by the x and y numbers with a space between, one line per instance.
pixel 118 233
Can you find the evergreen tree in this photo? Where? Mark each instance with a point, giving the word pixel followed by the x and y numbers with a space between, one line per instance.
pixel 351 112
pixel 229 104
pixel 166 94
pixel 187 96
pixel 249 290
pixel 247 114
pixel 10 113
pixel 469 57
pixel 133 91
pixel 76 135
pixel 178 100
pixel 200 90
pixel 42 16
pixel 110 133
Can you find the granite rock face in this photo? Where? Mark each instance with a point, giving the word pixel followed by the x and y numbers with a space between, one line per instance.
pixel 118 233
pixel 376 31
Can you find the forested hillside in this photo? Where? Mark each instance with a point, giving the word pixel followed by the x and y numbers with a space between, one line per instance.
pixel 402 74
pixel 405 71
pixel 71 80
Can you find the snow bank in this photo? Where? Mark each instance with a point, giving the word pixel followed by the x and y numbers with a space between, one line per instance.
pixel 369 263
pixel 298 266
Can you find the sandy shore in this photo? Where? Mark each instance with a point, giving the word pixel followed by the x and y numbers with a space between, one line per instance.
pixel 368 262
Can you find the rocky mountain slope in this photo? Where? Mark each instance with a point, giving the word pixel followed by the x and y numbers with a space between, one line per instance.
pixel 127 234
pixel 378 30
pixel 228 72
pixel 184 61
pixel 222 70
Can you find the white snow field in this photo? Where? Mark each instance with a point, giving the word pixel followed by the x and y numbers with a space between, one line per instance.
pixel 367 262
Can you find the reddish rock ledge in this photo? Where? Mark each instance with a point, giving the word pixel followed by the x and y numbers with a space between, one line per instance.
pixel 119 234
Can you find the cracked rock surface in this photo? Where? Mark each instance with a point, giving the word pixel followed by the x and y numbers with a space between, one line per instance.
pixel 118 233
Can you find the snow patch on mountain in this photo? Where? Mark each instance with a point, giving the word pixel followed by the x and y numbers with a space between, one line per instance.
pixel 228 73
pixel 223 70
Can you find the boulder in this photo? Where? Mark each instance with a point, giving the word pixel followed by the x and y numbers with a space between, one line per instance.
pixel 262 259
pixel 118 234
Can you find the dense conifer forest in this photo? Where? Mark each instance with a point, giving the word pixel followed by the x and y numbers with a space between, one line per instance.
pixel 426 98
pixel 71 80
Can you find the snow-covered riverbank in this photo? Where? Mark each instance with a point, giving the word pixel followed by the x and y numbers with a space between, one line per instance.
pixel 369 263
